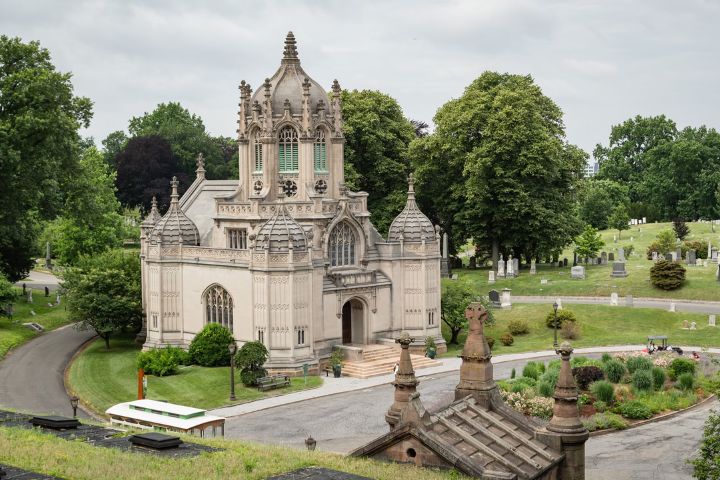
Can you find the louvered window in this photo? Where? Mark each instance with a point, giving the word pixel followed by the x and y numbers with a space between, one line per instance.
pixel 288 150
pixel 258 155
pixel 320 151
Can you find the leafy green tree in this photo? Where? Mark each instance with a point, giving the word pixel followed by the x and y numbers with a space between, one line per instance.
pixel 456 296
pixel 619 219
pixel 503 172
pixel 113 144
pixel 665 241
pixel 91 221
pixel 103 293
pixel 598 199
pixel 706 466
pixel 680 228
pixel 377 136
pixel 39 122
pixel 7 292
pixel 589 243
pixel 250 359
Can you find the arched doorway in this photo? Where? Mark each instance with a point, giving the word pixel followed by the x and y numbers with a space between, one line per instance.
pixel 353 325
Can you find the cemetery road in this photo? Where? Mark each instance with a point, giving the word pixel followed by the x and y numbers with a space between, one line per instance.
pixel 638 302
pixel 39 280
pixel 31 376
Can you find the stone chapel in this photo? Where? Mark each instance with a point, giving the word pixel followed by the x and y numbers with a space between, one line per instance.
pixel 287 254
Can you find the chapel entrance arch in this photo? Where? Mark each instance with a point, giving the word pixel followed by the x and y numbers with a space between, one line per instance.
pixel 353 322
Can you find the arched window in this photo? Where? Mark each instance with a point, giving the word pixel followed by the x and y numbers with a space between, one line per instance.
pixel 288 150
pixel 342 245
pixel 320 151
pixel 218 307
pixel 258 150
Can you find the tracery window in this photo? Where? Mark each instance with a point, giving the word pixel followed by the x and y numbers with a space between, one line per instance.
pixel 237 238
pixel 320 151
pixel 258 154
pixel 342 245
pixel 218 307
pixel 288 150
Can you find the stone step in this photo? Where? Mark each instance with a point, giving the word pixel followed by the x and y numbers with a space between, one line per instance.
pixel 383 366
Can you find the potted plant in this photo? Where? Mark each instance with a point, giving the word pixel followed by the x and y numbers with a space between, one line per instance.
pixel 336 362
pixel 430 347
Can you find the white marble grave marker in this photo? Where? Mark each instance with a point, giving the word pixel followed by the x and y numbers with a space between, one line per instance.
pixel 711 320
pixel 614 299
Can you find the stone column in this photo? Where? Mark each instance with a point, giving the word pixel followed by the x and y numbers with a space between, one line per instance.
pixel 405 382
pixel 565 423
pixel 476 371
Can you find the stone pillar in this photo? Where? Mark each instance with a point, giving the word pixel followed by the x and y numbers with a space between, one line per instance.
pixel 565 424
pixel 445 271
pixel 476 371
pixel 405 382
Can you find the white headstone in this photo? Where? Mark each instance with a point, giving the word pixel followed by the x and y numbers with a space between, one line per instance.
pixel 654 256
pixel 543 281
pixel 577 272
pixel 672 307
pixel 559 303
pixel 510 267
pixel 32 312
pixel 632 239
pixel 501 268
pixel 693 326
pixel 491 276
pixel 30 299
pixel 614 298
pixel 621 254
pixel 674 256
pixel 615 238
pixel 533 267
pixel 505 300
pixel 644 219
pixel 711 320
pixel 57 299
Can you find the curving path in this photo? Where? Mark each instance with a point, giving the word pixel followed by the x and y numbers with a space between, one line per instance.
pixel 31 376
pixel 693 306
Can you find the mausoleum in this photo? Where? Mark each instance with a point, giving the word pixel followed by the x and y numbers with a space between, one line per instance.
pixel 286 254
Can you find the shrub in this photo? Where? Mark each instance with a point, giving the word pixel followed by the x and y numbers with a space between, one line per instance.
pixel 706 466
pixel 658 377
pixel 531 370
pixel 490 341
pixel 603 391
pixel 602 421
pixel 160 361
pixel 679 366
pixel 623 393
pixel 250 358
pixel 586 375
pixel 209 348
pixel 700 247
pixel 506 339
pixel 606 357
pixel 642 380
pixel 581 361
pixel 635 410
pixel 545 388
pixel 570 331
pixel 250 378
pixel 686 381
pixel 521 384
pixel 638 363
pixel 667 275
pixel 512 373
pixel 629 249
pixel 614 371
pixel 518 327
pixel 653 247
pixel 563 316
pixel 681 229
pixel 583 399
pixel 600 406
pixel 550 376
pixel 541 367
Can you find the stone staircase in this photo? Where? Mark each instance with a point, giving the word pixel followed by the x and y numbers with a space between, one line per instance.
pixel 380 360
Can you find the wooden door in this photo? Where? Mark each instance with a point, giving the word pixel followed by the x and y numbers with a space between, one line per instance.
pixel 346 323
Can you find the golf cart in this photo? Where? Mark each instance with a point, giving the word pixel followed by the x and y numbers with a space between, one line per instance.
pixel 661 345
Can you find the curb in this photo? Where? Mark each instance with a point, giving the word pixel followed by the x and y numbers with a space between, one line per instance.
pixel 66 373
pixel 659 418
pixel 712 303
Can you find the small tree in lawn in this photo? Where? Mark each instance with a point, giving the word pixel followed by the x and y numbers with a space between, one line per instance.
pixel 681 228
pixel 456 296
pixel 667 275
pixel 250 359
pixel 103 293
pixel 619 219
pixel 707 464
pixel 589 243
pixel 666 241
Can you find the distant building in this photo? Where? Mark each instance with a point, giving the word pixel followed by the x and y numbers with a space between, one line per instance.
pixel 591 169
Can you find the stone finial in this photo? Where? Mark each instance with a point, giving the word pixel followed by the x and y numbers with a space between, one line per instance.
pixel 411 185
pixel 476 371
pixel 306 86
pixel 200 170
pixel 405 382
pixel 243 89
pixel 153 204
pixel 256 107
pixel 286 105
pixel 290 54
pixel 336 87
pixel 566 418
pixel 266 86
pixel 174 186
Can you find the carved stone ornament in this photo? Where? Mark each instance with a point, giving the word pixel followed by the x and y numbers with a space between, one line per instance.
pixel 321 186
pixel 257 187
pixel 289 188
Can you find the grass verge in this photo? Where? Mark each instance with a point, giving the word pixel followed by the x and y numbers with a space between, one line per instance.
pixel 103 378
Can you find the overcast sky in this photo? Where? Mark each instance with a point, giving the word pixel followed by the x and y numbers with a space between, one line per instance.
pixel 600 61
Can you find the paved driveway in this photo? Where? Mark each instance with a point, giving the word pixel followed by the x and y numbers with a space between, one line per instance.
pixel 31 376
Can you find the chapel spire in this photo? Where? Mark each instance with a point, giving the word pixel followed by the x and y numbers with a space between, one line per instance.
pixel 290 54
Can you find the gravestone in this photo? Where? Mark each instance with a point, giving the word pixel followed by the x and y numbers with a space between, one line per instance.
pixel 632 239
pixel 57 298
pixel 673 256
pixel 47 291
pixel 628 300
pixel 668 257
pixel 711 320
pixel 611 257
pixel 543 281
pixel 560 264
pixel 621 254
pixel 445 270
pixel 472 262
pixel 691 257
pixel 559 303
pixel 494 297
pixel 678 253
pixel 501 267
pixel 603 258
pixel 672 307
pixel 614 299
pixel 714 255
pixel 717 273
pixel 614 238
pixel 29 297
pixel 709 253
pixel 491 277
pixel 619 270
pixel 533 267
pixel 654 256
pixel 693 326
pixel 644 219
pixel 516 266
pixel 565 262
pixel 506 300
pixel 510 273
pixel 578 272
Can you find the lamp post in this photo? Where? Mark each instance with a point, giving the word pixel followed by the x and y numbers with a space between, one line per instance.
pixel 232 348
pixel 74 404
pixel 555 326
pixel 310 443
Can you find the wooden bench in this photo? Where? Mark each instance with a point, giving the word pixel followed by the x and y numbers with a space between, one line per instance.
pixel 275 381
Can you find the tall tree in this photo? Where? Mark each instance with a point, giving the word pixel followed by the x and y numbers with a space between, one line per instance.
pixel 91 221
pixel 589 243
pixel 619 219
pixel 113 144
pixel 377 137
pixel 39 122
pixel 503 141
pixel 598 199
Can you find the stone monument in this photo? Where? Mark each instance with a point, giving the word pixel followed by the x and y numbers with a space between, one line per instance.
pixel 603 258
pixel 711 320
pixel 577 272
pixel 619 270
pixel 506 301
pixel 611 257
pixel 494 298
pixel 491 277
pixel 691 257
pixel 501 267
pixel 510 273
pixel 614 299
pixel 621 254
pixel 533 267
pixel 445 271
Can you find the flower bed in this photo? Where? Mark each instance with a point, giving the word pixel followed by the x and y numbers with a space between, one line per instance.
pixel 620 389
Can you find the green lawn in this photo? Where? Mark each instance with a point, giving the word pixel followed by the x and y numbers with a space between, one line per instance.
pixel 13 333
pixel 40 452
pixel 700 284
pixel 601 326
pixel 103 378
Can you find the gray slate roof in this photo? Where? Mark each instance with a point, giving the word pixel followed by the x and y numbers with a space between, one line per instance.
pixel 281 232
pixel 175 228
pixel 411 225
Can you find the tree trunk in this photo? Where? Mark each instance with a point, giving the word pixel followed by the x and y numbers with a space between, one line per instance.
pixel 495 254
pixel 106 337
pixel 454 335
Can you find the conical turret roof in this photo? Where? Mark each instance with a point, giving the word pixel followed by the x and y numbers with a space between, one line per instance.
pixel 175 228
pixel 281 233
pixel 411 225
